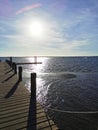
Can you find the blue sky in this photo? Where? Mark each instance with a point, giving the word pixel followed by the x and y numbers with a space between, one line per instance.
pixel 68 27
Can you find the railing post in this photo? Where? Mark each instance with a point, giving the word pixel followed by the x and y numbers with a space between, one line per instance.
pixel 11 61
pixel 20 73
pixel 33 86
pixel 14 67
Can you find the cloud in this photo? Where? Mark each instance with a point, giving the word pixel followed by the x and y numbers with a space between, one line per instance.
pixel 22 42
pixel 54 42
pixel 24 37
pixel 29 7
pixel 82 18
pixel 78 44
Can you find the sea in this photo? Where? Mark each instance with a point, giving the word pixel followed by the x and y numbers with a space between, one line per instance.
pixel 67 88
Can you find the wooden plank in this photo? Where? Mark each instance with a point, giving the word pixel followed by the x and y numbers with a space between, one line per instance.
pixel 16 107
pixel 26 63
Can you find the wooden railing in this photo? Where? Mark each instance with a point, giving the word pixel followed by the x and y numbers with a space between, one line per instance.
pixel 13 65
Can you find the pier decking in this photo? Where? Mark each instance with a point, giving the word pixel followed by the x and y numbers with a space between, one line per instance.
pixel 25 63
pixel 17 110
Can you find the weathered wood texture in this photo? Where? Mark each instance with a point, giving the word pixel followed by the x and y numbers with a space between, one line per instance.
pixel 25 63
pixel 17 111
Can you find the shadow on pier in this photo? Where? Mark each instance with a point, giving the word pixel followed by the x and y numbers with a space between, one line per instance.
pixel 18 109
pixel 9 71
pixel 37 118
pixel 32 107
pixel 32 115
pixel 8 78
pixel 13 89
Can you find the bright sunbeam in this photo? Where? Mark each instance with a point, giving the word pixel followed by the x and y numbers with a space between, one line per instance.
pixel 32 28
pixel 38 67
pixel 36 29
pixel 39 59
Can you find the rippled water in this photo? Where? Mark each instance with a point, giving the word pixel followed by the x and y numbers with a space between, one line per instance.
pixel 65 83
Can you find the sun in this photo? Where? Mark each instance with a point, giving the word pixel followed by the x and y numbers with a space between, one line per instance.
pixel 33 28
pixel 36 29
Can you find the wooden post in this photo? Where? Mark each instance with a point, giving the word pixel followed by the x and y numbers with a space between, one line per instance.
pixel 14 68
pixel 11 61
pixel 33 86
pixel 20 73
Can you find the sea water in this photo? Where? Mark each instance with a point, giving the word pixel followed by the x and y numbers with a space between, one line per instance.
pixel 65 84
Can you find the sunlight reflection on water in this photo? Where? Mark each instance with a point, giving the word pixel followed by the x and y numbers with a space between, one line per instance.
pixel 37 68
pixel 67 88
pixel 68 84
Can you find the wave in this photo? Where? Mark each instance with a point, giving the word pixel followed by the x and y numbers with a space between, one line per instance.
pixel 56 75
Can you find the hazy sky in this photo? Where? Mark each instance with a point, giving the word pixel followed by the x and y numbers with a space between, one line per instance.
pixel 48 27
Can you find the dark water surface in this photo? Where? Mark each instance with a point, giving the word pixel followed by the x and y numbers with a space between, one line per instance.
pixel 67 84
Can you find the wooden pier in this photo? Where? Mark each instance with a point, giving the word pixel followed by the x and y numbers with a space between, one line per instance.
pixel 18 111
pixel 25 63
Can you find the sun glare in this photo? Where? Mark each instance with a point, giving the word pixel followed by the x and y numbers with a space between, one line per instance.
pixel 33 28
pixel 36 29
